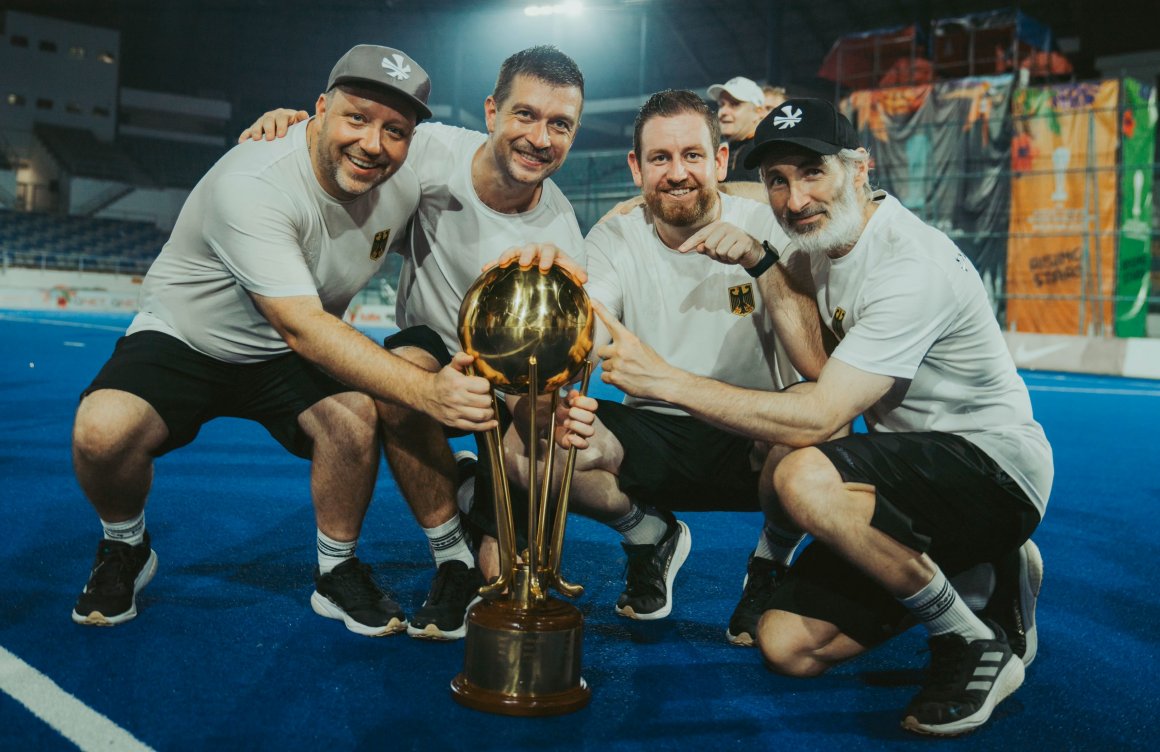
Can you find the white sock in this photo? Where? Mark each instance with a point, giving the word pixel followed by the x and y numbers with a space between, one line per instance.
pixel 331 553
pixel 941 610
pixel 448 542
pixel 130 531
pixel 778 544
pixel 641 526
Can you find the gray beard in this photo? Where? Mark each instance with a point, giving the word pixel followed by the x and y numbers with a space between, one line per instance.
pixel 841 231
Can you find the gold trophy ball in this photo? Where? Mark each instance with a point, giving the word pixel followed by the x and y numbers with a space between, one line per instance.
pixel 510 315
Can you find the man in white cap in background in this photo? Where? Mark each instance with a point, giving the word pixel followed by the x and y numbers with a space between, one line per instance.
pixel 740 107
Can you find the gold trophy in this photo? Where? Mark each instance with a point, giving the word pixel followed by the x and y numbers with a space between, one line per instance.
pixel 530 333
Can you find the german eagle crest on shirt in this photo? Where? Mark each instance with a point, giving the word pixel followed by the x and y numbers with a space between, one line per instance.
pixel 379 246
pixel 741 300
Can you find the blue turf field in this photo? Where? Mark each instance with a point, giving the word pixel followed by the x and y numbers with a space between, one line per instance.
pixel 227 654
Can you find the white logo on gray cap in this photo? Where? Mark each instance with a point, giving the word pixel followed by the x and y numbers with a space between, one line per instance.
pixel 791 117
pixel 400 70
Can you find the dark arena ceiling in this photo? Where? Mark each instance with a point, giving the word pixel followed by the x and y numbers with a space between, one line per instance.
pixel 262 53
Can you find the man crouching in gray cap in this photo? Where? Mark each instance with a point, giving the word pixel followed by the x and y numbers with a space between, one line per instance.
pixel 241 316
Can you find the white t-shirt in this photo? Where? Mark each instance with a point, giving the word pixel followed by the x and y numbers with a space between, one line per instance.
pixel 259 222
pixel 698 314
pixel 913 307
pixel 454 234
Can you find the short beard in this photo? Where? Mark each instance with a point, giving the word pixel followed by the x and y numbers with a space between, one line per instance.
pixel 333 168
pixel 842 230
pixel 505 154
pixel 681 216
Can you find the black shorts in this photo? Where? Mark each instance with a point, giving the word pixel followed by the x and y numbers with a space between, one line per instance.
pixel 422 337
pixel 189 389
pixel 935 492
pixel 678 462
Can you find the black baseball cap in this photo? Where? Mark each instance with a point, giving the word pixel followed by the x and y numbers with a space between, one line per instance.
pixel 384 68
pixel 812 124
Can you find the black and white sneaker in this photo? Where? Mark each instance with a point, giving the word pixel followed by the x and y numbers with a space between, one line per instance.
pixel 350 594
pixel 443 615
pixel 761 580
pixel 964 683
pixel 649 575
pixel 1016 594
pixel 119 572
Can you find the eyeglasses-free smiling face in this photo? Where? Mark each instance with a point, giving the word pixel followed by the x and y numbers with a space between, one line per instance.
pixel 533 129
pixel 361 139
pixel 678 169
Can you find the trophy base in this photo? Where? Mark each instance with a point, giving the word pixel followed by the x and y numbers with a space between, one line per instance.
pixel 522 661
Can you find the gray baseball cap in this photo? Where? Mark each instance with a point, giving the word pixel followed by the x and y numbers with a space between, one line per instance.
pixel 384 68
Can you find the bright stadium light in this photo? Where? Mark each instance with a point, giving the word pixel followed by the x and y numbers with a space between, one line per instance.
pixel 570 8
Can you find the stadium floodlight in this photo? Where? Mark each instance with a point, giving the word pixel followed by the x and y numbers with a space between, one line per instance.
pixel 570 8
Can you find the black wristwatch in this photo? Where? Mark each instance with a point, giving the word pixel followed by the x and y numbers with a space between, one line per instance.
pixel 769 259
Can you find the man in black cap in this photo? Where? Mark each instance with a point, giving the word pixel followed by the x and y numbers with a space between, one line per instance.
pixel 954 474
pixel 241 316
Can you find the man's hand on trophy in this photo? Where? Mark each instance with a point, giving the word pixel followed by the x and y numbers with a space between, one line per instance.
pixel 459 400
pixel 575 417
pixel 725 242
pixel 631 365
pixel 272 124
pixel 542 255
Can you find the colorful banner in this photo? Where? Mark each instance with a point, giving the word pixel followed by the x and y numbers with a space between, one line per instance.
pixel 1134 260
pixel 1061 250
pixel 942 150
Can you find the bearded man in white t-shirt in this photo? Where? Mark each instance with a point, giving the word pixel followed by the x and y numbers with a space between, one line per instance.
pixel 240 316
pixel 647 457
pixel 480 195
pixel 954 474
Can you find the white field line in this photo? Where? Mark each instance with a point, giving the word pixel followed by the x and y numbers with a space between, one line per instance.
pixel 77 722
pixel 1091 390
pixel 57 322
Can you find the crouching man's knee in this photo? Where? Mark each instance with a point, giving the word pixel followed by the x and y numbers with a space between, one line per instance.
pixel 794 645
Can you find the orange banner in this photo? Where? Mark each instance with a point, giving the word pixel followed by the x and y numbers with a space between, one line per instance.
pixel 1062 248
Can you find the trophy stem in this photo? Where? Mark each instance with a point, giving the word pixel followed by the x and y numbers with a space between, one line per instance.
pixel 534 585
pixel 561 518
pixel 543 553
pixel 505 523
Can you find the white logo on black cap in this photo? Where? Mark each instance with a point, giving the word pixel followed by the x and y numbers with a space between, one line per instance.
pixel 791 117
pixel 399 69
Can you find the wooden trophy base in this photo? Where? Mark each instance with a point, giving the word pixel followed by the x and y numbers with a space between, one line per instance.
pixel 523 661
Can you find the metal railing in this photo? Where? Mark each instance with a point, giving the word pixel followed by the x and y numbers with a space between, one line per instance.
pixel 72 262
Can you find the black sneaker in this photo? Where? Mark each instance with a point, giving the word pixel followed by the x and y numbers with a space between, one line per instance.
pixel 350 594
pixel 649 575
pixel 443 616
pixel 1016 593
pixel 964 683
pixel 119 573
pixel 761 580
